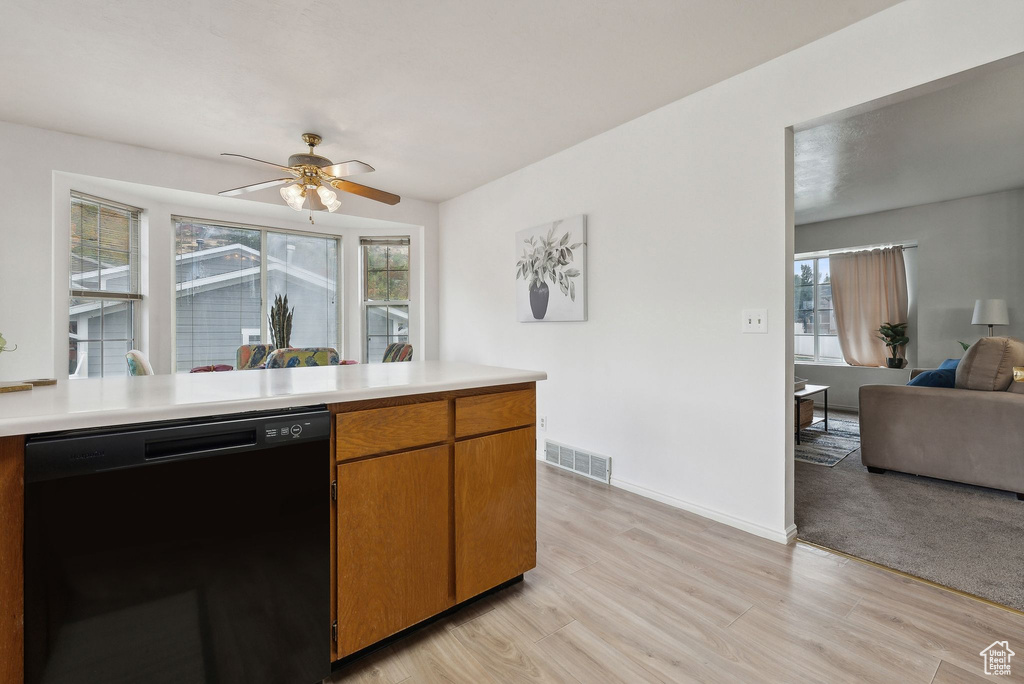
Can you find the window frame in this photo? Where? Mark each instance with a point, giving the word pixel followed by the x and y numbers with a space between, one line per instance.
pixel 365 301
pixel 131 299
pixel 339 300
pixel 815 310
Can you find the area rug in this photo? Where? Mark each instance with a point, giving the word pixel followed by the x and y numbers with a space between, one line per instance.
pixel 828 448
pixel 961 536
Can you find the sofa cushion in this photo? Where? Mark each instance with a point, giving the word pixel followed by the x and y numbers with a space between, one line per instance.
pixel 940 377
pixel 988 364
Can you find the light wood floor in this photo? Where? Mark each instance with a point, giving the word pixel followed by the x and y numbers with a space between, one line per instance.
pixel 630 590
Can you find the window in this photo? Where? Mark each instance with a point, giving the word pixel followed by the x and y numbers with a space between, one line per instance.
pixel 814 322
pixel 305 269
pixel 385 294
pixel 227 277
pixel 104 286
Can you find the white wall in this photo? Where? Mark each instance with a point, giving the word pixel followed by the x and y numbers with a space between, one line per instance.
pixel 688 224
pixel 33 243
pixel 967 249
pixel 844 382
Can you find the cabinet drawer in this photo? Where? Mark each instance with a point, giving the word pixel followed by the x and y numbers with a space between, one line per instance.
pixel 490 412
pixel 375 431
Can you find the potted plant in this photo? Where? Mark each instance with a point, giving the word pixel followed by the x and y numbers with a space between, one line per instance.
pixel 895 337
pixel 280 320
pixel 4 347
pixel 547 260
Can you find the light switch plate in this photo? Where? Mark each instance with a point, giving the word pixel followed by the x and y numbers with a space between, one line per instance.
pixel 755 321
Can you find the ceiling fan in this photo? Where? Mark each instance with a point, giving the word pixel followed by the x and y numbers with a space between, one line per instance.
pixel 310 176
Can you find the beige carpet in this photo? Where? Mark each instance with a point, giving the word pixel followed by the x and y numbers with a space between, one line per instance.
pixel 965 537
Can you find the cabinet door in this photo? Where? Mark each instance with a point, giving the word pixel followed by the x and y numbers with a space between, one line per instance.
pixel 495 510
pixel 394 544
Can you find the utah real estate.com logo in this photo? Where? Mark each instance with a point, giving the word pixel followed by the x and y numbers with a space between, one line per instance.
pixel 997 658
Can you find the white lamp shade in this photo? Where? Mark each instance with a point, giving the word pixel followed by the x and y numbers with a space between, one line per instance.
pixel 990 312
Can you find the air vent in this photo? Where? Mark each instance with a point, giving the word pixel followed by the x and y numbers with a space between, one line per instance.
pixel 583 462
pixel 566 457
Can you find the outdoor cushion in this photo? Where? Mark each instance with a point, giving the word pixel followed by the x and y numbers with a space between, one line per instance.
pixel 307 356
pixel 397 351
pixel 251 356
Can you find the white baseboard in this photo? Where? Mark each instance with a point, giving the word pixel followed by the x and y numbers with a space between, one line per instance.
pixel 785 536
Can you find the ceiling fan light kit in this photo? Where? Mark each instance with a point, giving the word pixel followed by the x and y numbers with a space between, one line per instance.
pixel 311 172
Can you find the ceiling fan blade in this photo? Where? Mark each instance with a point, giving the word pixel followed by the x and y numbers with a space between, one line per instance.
pixel 367 192
pixel 349 168
pixel 255 186
pixel 283 168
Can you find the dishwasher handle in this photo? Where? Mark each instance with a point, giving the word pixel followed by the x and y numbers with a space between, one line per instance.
pixel 185 447
pixel 69 455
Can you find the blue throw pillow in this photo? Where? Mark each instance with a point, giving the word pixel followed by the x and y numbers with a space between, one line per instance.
pixel 941 377
pixel 949 364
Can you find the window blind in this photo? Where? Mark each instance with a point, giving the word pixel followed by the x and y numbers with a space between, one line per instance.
pixel 104 248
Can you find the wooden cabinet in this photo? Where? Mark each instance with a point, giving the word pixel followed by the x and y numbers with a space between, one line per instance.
pixel 491 412
pixel 390 428
pixel 435 504
pixel 495 510
pixel 393 544
pixel 12 519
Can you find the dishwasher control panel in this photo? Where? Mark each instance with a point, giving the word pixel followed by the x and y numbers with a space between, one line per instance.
pixel 286 431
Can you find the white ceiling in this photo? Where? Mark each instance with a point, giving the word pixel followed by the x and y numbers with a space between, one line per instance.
pixel 962 140
pixel 440 96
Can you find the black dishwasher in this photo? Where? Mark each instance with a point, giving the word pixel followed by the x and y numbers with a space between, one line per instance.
pixel 187 551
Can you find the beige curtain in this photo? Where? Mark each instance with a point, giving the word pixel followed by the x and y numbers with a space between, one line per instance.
pixel 868 288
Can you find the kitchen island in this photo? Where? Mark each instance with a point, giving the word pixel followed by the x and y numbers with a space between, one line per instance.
pixel 431 481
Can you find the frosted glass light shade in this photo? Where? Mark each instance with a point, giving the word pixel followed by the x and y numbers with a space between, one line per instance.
pixel 990 312
pixel 329 198
pixel 294 195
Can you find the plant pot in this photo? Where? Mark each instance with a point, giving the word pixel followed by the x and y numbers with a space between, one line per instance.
pixel 896 362
pixel 539 300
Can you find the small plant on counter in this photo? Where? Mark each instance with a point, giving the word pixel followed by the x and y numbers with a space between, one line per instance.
pixel 280 319
pixel 895 336
pixel 4 347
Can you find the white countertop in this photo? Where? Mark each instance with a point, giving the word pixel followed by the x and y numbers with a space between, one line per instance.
pixel 101 402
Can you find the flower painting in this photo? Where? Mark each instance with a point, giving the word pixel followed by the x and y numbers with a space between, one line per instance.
pixel 551 271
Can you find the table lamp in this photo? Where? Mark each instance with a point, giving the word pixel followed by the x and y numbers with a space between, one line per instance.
pixel 990 312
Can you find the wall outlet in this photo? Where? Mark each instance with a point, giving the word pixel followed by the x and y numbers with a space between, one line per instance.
pixel 755 321
pixel 543 423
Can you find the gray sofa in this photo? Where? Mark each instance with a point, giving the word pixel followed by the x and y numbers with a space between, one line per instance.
pixel 972 434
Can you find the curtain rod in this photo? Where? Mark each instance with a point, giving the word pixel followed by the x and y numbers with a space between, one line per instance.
pixel 845 250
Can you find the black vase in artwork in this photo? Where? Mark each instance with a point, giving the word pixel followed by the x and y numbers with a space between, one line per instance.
pixel 539 300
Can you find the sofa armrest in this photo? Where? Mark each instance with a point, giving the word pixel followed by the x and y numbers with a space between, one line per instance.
pixel 957 434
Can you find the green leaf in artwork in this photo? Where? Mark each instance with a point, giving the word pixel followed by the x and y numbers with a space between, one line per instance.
pixel 545 259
